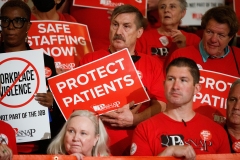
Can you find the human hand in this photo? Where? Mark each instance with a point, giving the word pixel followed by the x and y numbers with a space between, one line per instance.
pixel 45 99
pixel 78 155
pixel 178 38
pixel 60 70
pixel 122 117
pixel 5 152
pixel 186 152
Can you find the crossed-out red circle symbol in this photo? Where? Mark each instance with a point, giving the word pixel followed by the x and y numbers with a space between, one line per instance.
pixel 28 65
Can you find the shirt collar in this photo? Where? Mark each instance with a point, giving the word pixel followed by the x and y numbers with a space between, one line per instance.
pixel 205 55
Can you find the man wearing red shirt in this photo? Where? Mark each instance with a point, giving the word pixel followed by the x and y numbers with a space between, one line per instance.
pixel 179 131
pixel 220 25
pixel 127 25
pixel 233 117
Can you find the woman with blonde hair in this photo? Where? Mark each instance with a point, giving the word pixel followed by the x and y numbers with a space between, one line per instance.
pixel 83 134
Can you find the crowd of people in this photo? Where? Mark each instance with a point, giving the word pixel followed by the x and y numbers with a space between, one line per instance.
pixel 169 60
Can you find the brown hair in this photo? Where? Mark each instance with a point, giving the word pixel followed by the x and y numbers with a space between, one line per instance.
pixel 140 20
pixel 222 14
pixel 186 62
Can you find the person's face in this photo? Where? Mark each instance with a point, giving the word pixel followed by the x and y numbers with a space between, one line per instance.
pixel 215 38
pixel 80 136
pixel 179 86
pixel 124 32
pixel 13 36
pixel 170 12
pixel 233 106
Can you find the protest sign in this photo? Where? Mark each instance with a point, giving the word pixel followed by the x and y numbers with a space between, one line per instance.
pixel 236 5
pixel 212 98
pixel 110 4
pixel 22 75
pixel 196 9
pixel 66 42
pixel 100 86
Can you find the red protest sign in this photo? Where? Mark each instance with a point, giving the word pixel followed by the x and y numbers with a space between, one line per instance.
pixel 19 82
pixel 236 4
pixel 66 42
pixel 100 86
pixel 212 98
pixel 110 4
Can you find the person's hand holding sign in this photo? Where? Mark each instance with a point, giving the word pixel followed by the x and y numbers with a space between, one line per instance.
pixel 45 99
pixel 122 117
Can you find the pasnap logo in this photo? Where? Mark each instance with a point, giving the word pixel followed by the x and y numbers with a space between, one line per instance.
pixel 26 133
pixel 66 66
pixel 102 107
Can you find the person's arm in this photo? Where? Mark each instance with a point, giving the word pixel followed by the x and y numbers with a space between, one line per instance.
pixel 5 152
pixel 79 156
pixel 178 38
pixel 45 99
pixel 186 152
pixel 127 117
pixel 140 141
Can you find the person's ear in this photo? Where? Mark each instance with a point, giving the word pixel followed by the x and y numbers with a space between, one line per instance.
pixel 230 38
pixel 183 13
pixel 198 87
pixel 29 25
pixel 140 32
pixel 96 140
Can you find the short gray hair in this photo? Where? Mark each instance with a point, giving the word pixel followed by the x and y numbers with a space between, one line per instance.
pixel 183 4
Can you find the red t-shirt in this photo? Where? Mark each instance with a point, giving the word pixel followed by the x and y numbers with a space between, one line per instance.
pixel 152 42
pixel 8 136
pixel 152 79
pixel 227 65
pixel 154 135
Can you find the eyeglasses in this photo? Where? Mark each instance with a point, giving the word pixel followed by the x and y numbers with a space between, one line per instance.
pixel 17 22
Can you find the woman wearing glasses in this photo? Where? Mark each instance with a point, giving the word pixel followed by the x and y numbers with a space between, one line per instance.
pixel 15 23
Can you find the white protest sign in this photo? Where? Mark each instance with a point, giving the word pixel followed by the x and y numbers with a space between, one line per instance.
pixel 22 75
pixel 196 9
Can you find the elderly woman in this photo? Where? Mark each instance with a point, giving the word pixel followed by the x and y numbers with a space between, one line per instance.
pixel 167 38
pixel 82 135
pixel 15 23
